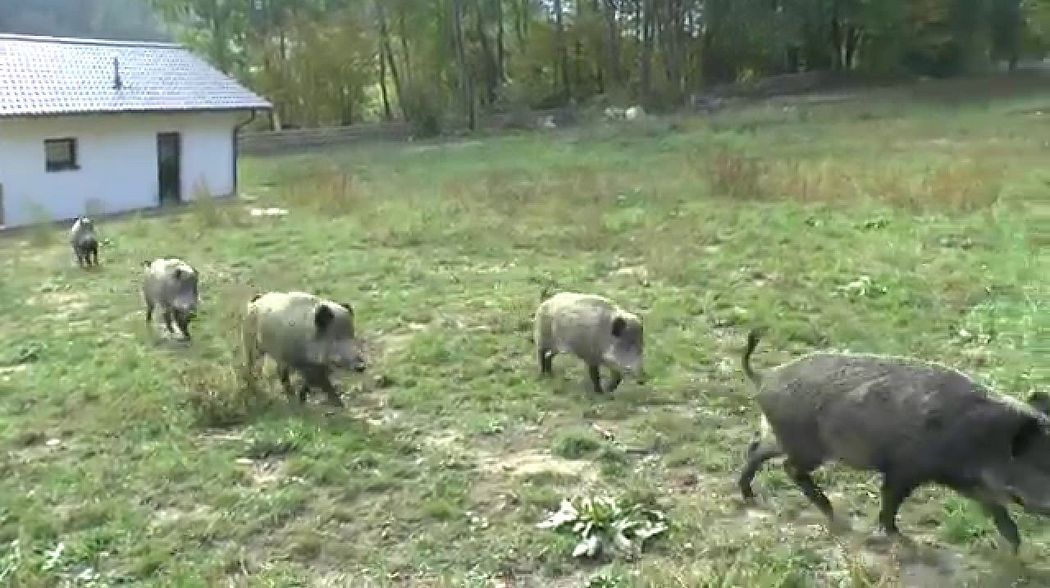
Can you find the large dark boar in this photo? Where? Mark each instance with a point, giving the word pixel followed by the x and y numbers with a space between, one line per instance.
pixel 171 284
pixel 84 242
pixel 914 422
pixel 304 333
pixel 593 329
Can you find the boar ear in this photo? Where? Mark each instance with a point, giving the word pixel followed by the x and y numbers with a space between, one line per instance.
pixel 256 297
pixel 146 263
pixel 348 308
pixel 179 273
pixel 323 317
pixel 1040 401
pixel 618 326
pixel 1025 436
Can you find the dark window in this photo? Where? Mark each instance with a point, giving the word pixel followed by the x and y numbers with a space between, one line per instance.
pixel 61 154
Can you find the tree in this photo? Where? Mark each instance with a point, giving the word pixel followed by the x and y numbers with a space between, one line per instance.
pixel 342 61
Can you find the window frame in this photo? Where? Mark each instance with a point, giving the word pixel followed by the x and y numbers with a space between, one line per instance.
pixel 71 164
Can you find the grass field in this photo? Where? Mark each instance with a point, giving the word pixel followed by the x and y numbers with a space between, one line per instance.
pixel 878 226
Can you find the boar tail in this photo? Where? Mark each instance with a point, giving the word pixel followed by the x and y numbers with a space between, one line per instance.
pixel 753 338
pixel 545 293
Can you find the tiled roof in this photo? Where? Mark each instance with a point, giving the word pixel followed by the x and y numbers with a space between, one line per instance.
pixel 50 75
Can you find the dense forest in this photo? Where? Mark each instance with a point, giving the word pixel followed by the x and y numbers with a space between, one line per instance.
pixel 341 61
pixel 105 19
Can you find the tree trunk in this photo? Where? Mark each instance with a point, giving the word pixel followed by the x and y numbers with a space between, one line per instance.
pixel 218 38
pixel 346 111
pixel 402 32
pixel 521 22
pixel 491 75
pixel 388 53
pixel 501 49
pixel 387 114
pixel 646 67
pixel 561 49
pixel 466 86
pixel 613 52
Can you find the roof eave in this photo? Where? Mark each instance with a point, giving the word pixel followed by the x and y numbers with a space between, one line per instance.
pixel 247 107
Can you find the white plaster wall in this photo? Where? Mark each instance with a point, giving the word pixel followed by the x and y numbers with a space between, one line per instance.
pixel 117 155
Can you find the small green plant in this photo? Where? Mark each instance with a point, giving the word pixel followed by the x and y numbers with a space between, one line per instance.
pixel 862 287
pixel 575 444
pixel 604 525
pixel 604 581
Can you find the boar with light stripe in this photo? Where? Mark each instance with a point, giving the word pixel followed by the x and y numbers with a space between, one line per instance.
pixel 594 329
pixel 84 242
pixel 171 284
pixel 304 333
pixel 914 422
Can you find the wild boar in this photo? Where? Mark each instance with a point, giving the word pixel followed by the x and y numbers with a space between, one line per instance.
pixel 594 329
pixel 84 241
pixel 301 332
pixel 914 422
pixel 171 283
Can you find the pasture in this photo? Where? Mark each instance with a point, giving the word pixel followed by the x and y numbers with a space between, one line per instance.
pixel 880 225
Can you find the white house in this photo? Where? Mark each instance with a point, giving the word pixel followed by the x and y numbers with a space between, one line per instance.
pixel 99 127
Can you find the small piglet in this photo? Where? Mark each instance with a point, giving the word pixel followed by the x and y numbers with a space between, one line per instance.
pixel 915 422
pixel 171 283
pixel 84 241
pixel 301 332
pixel 594 329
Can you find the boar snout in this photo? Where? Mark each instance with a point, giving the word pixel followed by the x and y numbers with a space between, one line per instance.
pixel 346 356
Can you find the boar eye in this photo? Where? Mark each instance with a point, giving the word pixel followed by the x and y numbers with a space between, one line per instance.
pixel 323 317
pixel 1025 436
pixel 618 326
pixel 178 273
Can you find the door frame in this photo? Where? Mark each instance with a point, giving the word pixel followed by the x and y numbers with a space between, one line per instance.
pixel 177 187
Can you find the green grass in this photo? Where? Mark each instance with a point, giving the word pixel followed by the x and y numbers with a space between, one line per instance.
pixel 166 472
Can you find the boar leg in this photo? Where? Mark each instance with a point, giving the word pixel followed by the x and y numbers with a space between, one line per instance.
pixel 149 311
pixel 285 375
pixel 546 357
pixel 184 323
pixel 596 378
pixel 320 377
pixel 167 320
pixel 331 392
pixel 616 379
pixel 894 492
pixel 758 453
pixel 801 476
pixel 1003 523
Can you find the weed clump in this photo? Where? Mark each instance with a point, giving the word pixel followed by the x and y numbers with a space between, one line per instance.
pixel 220 397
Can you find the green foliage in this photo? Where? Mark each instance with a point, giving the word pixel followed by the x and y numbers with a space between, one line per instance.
pixel 605 525
pixel 439 62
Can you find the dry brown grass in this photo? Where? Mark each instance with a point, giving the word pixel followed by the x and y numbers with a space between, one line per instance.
pixel 332 191
pixel 952 187
pixel 736 175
